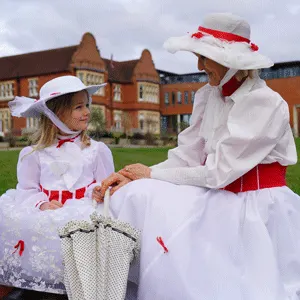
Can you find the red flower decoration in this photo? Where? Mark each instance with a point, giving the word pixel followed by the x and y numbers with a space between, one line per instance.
pixel 19 246
pixel 161 242
pixel 197 35
pixel 254 47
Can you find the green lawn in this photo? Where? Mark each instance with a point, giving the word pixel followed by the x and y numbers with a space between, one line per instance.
pixel 122 157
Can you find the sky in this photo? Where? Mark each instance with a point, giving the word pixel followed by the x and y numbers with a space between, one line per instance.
pixel 123 28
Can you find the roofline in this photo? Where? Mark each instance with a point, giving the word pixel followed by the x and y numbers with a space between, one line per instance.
pixel 35 52
pixel 163 71
pixel 33 75
pixel 123 61
pixel 287 63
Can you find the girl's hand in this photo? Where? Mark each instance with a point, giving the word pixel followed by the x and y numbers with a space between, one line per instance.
pixel 136 171
pixel 96 195
pixel 52 205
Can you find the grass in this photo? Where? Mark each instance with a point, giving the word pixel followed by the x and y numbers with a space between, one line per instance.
pixel 122 157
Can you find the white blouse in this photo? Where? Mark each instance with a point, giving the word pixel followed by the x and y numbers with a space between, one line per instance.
pixel 66 168
pixel 229 136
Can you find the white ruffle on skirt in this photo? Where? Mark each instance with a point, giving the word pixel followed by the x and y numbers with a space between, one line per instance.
pixel 40 266
pixel 222 246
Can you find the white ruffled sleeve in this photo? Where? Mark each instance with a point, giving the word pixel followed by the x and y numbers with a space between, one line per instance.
pixel 28 173
pixel 255 125
pixel 104 166
pixel 189 151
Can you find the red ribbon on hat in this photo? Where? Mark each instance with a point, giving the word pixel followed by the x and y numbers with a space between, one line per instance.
pixel 20 245
pixel 222 35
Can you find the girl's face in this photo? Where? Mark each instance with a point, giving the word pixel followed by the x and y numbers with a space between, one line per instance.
pixel 80 113
pixel 214 70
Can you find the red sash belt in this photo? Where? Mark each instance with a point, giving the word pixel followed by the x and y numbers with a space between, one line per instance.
pixel 261 177
pixel 65 195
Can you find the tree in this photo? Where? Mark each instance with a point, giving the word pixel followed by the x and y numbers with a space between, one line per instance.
pixel 97 122
pixel 183 125
pixel 127 123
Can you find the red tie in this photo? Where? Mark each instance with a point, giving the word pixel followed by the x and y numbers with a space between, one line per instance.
pixel 71 140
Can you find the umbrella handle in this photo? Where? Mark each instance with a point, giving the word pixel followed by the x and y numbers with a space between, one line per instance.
pixel 106 203
pixel 94 203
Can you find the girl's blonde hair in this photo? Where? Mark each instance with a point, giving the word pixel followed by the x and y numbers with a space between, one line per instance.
pixel 47 131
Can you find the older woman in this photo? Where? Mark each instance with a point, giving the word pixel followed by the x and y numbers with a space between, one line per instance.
pixel 218 220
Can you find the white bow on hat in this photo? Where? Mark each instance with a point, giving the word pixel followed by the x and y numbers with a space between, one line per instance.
pixel 28 107
pixel 224 38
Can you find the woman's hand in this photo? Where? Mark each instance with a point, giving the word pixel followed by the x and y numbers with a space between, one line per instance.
pixel 136 171
pixel 52 205
pixel 116 181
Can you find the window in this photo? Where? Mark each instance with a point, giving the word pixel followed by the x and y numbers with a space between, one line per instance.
pixel 186 97
pixel 192 96
pixel 5 120
pixel 80 75
pixel 186 118
pixel 6 90
pixel 32 87
pixel 141 121
pixel 117 121
pixel 173 98
pixel 179 97
pixel 166 98
pixel 164 123
pixel 148 92
pixel 92 78
pixel 141 92
pixel 32 123
pixel 149 122
pixel 117 92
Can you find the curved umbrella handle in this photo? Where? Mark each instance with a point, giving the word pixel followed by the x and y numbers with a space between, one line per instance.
pixel 106 203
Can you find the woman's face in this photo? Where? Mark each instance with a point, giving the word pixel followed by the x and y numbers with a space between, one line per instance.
pixel 80 113
pixel 214 70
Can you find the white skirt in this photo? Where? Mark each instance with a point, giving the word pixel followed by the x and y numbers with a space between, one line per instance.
pixel 40 265
pixel 221 245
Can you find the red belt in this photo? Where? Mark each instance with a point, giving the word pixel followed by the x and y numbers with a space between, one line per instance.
pixel 65 195
pixel 261 177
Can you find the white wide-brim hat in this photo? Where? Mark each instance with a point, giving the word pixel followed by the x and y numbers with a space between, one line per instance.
pixel 32 108
pixel 225 39
pixel 28 107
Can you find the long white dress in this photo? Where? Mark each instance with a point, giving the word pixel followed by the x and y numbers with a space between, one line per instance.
pixel 219 245
pixel 67 168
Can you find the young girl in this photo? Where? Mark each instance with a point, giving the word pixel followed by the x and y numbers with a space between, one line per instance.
pixel 56 178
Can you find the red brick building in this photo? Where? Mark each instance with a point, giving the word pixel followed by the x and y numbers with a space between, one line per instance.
pixel 137 95
pixel 177 92
pixel 131 95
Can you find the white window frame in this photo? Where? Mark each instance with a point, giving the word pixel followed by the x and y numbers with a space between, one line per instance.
pixel 33 87
pixel 6 90
pixel 148 92
pixel 5 120
pixel 117 92
pixel 92 78
pixel 32 123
